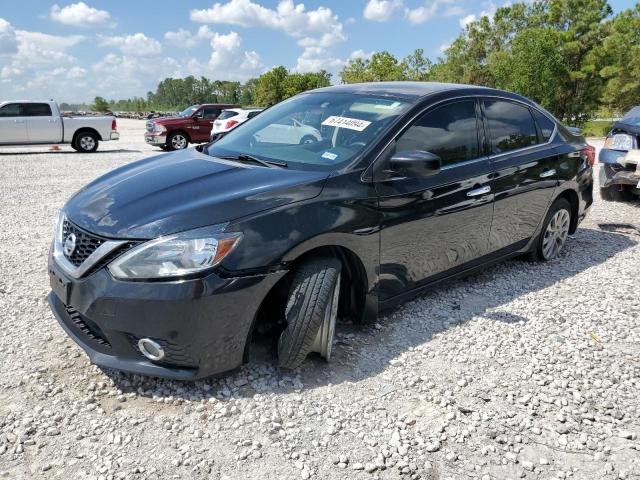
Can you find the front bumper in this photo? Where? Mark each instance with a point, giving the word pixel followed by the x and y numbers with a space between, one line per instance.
pixel 619 175
pixel 157 140
pixel 203 324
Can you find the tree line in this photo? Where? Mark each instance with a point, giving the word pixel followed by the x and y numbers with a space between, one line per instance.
pixel 574 57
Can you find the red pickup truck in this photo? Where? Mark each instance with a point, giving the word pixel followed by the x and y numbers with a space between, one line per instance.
pixel 192 125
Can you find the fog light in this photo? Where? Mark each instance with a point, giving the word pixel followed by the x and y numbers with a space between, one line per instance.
pixel 150 349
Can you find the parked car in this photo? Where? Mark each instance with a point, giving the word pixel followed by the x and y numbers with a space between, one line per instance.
pixel 41 123
pixel 620 159
pixel 230 119
pixel 170 265
pixel 192 125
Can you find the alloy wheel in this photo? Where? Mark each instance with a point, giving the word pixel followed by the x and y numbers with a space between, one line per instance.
pixel 178 142
pixel 87 143
pixel 556 234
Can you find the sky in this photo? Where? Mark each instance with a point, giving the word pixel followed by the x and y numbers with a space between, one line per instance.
pixel 73 51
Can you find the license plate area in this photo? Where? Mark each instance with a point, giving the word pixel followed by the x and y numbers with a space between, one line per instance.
pixel 60 285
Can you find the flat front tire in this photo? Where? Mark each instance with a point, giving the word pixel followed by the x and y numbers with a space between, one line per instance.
pixel 311 312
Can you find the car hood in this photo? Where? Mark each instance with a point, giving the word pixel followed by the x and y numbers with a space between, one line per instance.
pixel 184 190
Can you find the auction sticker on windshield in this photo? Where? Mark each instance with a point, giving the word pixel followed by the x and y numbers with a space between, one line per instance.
pixel 346 122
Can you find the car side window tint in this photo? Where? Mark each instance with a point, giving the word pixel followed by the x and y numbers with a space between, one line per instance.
pixel 37 110
pixel 11 110
pixel 545 124
pixel 511 126
pixel 210 112
pixel 449 131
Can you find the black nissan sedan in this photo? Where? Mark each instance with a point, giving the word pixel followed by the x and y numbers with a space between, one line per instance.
pixel 336 203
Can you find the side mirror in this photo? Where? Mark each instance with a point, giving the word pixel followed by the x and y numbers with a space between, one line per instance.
pixel 415 163
pixel 196 117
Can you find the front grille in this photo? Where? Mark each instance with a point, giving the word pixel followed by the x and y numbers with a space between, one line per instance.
pixel 174 354
pixel 87 327
pixel 86 243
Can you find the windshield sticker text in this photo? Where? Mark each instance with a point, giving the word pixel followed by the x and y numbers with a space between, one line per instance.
pixel 346 122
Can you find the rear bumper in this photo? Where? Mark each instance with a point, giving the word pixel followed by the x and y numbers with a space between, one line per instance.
pixel 115 136
pixel 203 324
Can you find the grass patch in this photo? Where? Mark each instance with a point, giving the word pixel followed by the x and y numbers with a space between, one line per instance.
pixel 596 128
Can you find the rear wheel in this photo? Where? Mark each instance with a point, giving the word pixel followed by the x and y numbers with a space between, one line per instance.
pixel 555 231
pixel 86 142
pixel 177 141
pixel 311 312
pixel 616 193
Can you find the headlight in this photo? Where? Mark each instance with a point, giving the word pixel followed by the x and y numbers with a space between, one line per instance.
pixel 619 141
pixel 176 256
pixel 159 128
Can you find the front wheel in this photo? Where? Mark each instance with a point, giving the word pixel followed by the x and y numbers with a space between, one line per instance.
pixel 177 141
pixel 311 312
pixel 86 142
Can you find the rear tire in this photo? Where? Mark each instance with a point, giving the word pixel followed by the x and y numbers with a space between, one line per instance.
pixel 616 193
pixel 554 233
pixel 311 312
pixel 85 142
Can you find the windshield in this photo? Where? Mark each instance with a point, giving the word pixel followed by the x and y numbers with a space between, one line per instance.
pixel 189 111
pixel 632 117
pixel 314 131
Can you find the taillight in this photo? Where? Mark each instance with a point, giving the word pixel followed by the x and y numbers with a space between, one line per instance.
pixel 589 154
pixel 114 125
pixel 230 124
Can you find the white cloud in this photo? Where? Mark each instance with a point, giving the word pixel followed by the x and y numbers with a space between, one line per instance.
pixel 181 39
pixel 288 17
pixel 80 15
pixel 227 54
pixel 317 30
pixel 381 10
pixel 138 44
pixel 361 54
pixel 421 14
pixel 464 21
pixel 8 41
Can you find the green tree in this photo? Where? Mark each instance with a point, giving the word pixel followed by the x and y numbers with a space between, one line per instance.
pixel 416 66
pixel 271 87
pixel 532 66
pixel 621 55
pixel 100 105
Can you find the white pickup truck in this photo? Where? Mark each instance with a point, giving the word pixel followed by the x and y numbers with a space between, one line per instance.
pixel 40 123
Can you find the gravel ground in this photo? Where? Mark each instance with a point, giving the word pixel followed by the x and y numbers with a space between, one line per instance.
pixel 523 371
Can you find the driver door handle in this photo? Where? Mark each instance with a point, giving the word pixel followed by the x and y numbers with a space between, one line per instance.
pixel 476 192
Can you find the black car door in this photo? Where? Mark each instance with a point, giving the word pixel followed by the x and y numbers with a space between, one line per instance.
pixel 524 164
pixel 433 224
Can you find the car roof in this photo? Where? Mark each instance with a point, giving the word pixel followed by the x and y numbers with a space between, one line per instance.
pixel 413 91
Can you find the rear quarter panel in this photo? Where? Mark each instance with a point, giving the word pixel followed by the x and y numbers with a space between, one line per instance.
pixel 100 124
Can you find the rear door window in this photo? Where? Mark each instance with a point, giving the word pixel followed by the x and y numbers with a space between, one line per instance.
pixel 37 110
pixel 210 112
pixel 511 126
pixel 449 131
pixel 545 124
pixel 227 114
pixel 11 110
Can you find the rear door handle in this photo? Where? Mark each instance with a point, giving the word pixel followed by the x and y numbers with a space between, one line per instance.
pixel 573 154
pixel 476 192
pixel 18 121
pixel 548 173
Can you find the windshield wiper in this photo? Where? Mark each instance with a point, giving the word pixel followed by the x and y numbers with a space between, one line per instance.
pixel 255 160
